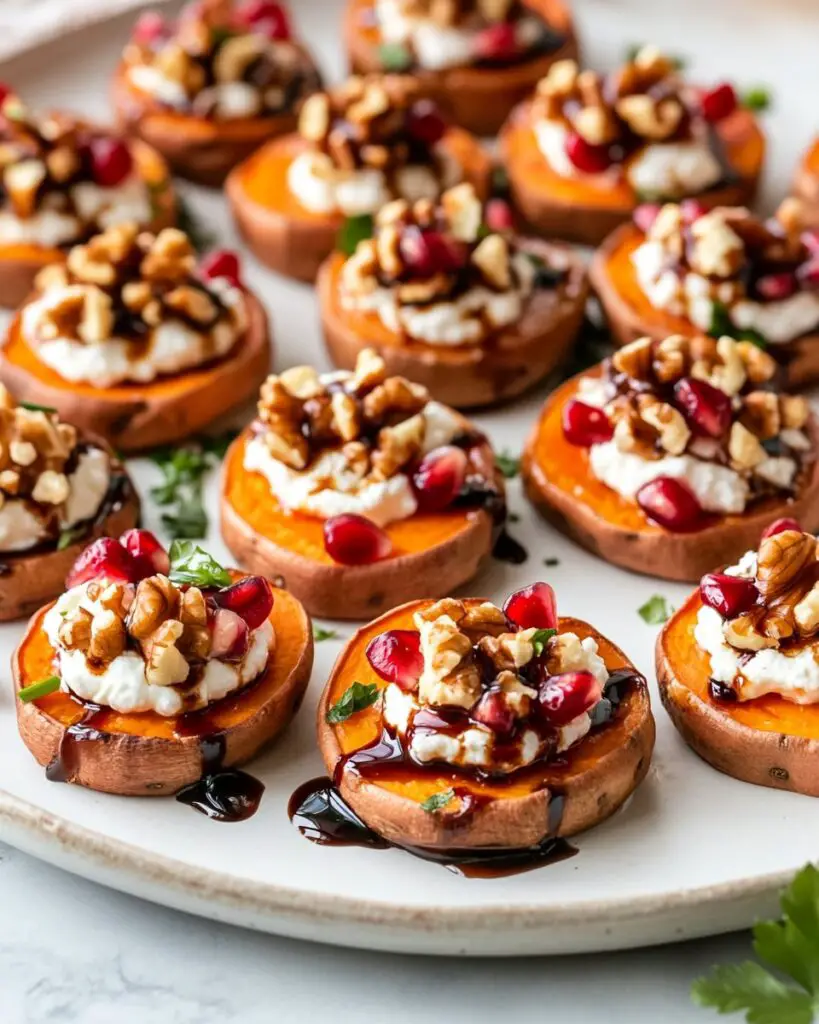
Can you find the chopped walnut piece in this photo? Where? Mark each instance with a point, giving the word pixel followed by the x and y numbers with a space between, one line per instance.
pixel 718 250
pixel 491 257
pixel 744 448
pixel 509 650
pixel 397 446
pixel 672 430
pixel 171 257
pixel 806 612
pixel 282 413
pixel 634 359
pixel 156 600
pixel 75 633
pixel 193 303
pixel 463 211
pixel 449 677
pixel 760 414
pixel 782 559
pixel 165 665
pixel 395 395
pixel 52 488
pixel 108 636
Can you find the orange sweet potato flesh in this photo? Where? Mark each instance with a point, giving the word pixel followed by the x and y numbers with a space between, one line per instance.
pixel 806 184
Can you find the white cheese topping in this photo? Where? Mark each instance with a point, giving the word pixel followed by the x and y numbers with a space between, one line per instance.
pixel 673 170
pixel 21 529
pixel 329 487
pixel 122 684
pixel 172 348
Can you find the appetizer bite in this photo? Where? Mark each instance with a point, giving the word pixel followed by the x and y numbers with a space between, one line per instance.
pixel 209 88
pixel 358 146
pixel 360 491
pixel 476 58
pixel 58 490
pixel 450 298
pixel 737 664
pixel 671 457
pixel 155 669
pixel 680 269
pixel 64 180
pixel 136 341
pixel 587 149
pixel 806 189
pixel 473 729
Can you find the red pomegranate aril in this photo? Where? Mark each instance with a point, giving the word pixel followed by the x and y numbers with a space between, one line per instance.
pixel 562 698
pixel 719 102
pixel 498 42
pixel 729 595
pixel 396 656
pixel 670 503
pixel 493 712
pixel 645 215
pixel 498 216
pixel 533 607
pixel 691 210
pixel 105 559
pixel 353 540
pixel 230 636
pixel 586 157
pixel 777 286
pixel 150 28
pixel 808 273
pixel 425 123
pixel 147 552
pixel 707 409
pixel 780 526
pixel 439 478
pixel 267 17
pixel 111 161
pixel 251 599
pixel 221 263
pixel 5 92
pixel 429 252
pixel 585 425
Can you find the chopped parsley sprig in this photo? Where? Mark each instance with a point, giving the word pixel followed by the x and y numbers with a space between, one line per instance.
pixel 181 491
pixel 355 698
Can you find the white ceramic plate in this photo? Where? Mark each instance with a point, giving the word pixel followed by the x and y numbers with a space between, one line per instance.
pixel 692 853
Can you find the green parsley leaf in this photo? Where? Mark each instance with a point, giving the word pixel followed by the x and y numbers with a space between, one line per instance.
pixel 551 562
pixel 354 699
pixel 353 231
pixel 34 407
pixel 540 638
pixel 202 238
pixel 191 564
pixel 183 471
pixel 71 536
pixel 437 801
pixel 721 324
pixel 39 689
pixel 757 98
pixel 394 57
pixel 655 611
pixel 508 464
pixel 791 946
pixel 319 634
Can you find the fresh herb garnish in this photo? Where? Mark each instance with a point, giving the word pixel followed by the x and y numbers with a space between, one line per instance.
pixel 790 945
pixel 191 564
pixel 551 562
pixel 355 698
pixel 721 324
pixel 513 517
pixel 184 470
pixel 34 407
pixel 319 634
pixel 202 238
pixel 394 57
pixel 437 801
pixel 353 231
pixel 540 638
pixel 509 465
pixel 757 98
pixel 656 610
pixel 41 688
pixel 71 535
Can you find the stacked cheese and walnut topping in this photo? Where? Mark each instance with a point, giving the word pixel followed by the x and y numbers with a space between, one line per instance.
pixel 437 34
pixel 221 61
pixel 49 481
pixel 368 141
pixel 130 306
pixel 641 121
pixel 62 180
pixel 759 622
pixel 345 442
pixel 435 273
pixel 485 694
pixel 728 271
pixel 699 411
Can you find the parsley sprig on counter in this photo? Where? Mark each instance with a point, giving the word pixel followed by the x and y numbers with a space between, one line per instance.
pixel 184 470
pixel 791 947
pixel 656 610
pixel 508 464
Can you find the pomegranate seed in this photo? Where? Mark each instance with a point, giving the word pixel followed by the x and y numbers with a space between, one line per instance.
pixel 585 425
pixel 221 263
pixel 105 559
pixel 497 42
pixel 353 540
pixel 493 711
pixel 267 17
pixel 691 210
pixel 396 657
pixel 780 526
pixel 729 595
pixel 111 161
pixel 430 252
pixel 251 599
pixel 810 240
pixel 439 478
pixel 706 408
pixel 425 123
pixel 719 102
pixel 230 636
pixel 498 216
pixel 645 215
pixel 147 552
pixel 562 698
pixel 533 607
pixel 150 28
pixel 670 504
pixel 808 273
pixel 5 92
pixel 584 156
pixel 776 286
